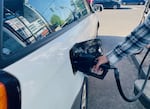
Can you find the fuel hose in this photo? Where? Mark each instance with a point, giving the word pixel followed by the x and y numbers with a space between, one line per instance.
pixel 134 98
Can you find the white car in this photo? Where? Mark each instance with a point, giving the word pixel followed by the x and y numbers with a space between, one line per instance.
pixel 35 68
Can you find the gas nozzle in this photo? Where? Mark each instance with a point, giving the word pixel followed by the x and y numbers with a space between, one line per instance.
pixel 83 57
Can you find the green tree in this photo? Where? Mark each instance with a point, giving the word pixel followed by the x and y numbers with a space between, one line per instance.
pixel 56 20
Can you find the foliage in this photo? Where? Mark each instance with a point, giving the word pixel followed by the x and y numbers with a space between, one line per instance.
pixel 56 20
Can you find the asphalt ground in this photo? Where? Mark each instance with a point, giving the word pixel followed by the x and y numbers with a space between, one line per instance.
pixel 103 94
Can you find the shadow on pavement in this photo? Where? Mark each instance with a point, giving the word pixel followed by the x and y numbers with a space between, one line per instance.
pixel 109 42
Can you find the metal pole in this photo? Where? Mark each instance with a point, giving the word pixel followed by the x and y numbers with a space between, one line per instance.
pixel 1 25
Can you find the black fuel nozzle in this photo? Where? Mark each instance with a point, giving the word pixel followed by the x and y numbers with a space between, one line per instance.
pixel 83 57
pixel 105 66
pixel 104 70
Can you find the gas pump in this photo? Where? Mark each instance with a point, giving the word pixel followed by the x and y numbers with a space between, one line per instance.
pixel 83 57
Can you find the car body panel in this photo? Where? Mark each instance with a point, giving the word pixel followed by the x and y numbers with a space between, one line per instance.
pixel 46 76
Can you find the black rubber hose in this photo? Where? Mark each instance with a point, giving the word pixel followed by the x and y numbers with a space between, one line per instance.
pixel 121 91
pixel 141 64
pixel 116 73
